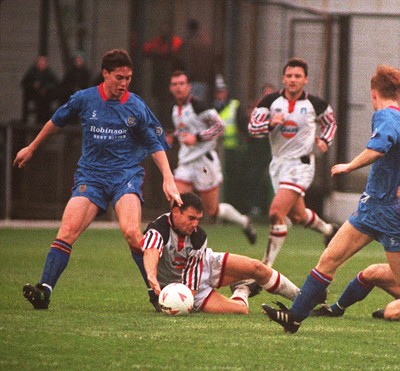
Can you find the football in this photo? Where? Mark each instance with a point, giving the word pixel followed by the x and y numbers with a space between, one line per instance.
pixel 176 299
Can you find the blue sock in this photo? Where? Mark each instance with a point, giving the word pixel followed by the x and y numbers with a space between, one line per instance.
pixel 138 258
pixel 313 287
pixel 356 290
pixel 56 261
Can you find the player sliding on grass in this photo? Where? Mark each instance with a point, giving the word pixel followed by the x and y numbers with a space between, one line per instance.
pixel 175 250
pixel 119 132
pixel 378 214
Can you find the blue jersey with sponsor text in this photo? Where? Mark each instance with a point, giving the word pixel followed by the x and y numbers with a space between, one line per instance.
pixel 384 177
pixel 116 134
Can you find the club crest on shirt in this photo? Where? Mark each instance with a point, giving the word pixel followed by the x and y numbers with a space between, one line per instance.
pixel 159 130
pixel 82 188
pixel 130 121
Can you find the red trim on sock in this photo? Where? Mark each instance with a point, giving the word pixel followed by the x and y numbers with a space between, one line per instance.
pixel 363 281
pixel 325 278
pixel 276 284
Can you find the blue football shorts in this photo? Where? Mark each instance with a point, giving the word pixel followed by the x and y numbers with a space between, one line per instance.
pixel 378 220
pixel 104 187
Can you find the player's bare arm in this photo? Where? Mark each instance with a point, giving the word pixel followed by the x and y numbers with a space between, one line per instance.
pixel 150 259
pixel 169 186
pixel 365 158
pixel 25 154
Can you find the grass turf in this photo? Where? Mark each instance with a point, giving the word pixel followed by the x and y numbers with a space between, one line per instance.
pixel 100 317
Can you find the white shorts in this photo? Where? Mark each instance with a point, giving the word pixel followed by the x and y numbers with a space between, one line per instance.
pixel 211 277
pixel 295 174
pixel 203 174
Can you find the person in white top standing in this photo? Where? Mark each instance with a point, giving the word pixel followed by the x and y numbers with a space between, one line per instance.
pixel 197 128
pixel 290 117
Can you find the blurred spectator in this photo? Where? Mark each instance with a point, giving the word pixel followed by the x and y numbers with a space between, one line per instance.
pixel 77 77
pixel 257 162
pixel 234 144
pixel 39 86
pixel 198 60
pixel 165 53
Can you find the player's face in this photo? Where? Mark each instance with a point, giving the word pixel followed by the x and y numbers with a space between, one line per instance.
pixel 294 80
pixel 116 82
pixel 179 87
pixel 186 221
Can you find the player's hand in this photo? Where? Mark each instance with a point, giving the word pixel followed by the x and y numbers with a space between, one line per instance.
pixel 22 157
pixel 340 169
pixel 321 145
pixel 171 191
pixel 188 138
pixel 277 119
pixel 169 138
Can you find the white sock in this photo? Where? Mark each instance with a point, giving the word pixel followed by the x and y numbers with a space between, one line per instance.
pixel 280 285
pixel 241 293
pixel 229 213
pixel 277 236
pixel 317 224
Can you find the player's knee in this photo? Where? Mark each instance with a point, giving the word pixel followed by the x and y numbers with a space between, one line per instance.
pixel 275 216
pixel 259 270
pixel 392 311
pixel 133 236
pixel 373 273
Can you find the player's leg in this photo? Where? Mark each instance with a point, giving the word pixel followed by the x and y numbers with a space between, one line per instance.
pixel 217 303
pixel 379 275
pixel 238 268
pixel 183 187
pixel 129 212
pixel 347 241
pixel 393 259
pixel 300 214
pixel 357 290
pixel 207 177
pixel 392 311
pixel 344 245
pixel 226 212
pixel 78 214
pixel 281 204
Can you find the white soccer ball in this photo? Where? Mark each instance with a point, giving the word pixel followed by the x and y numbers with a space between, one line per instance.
pixel 176 299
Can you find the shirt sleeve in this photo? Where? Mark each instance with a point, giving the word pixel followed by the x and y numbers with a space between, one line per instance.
pixel 65 114
pixel 383 136
pixel 215 125
pixel 153 240
pixel 328 125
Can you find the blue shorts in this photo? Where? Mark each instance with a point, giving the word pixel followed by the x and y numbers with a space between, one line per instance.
pixel 104 187
pixel 379 220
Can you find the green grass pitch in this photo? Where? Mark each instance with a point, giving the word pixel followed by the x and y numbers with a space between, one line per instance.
pixel 100 317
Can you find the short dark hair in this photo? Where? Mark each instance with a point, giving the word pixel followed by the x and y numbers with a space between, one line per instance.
pixel 180 73
pixel 386 81
pixel 190 199
pixel 116 58
pixel 296 62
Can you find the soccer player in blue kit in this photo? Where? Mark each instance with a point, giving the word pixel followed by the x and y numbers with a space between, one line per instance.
pixel 119 132
pixel 378 214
